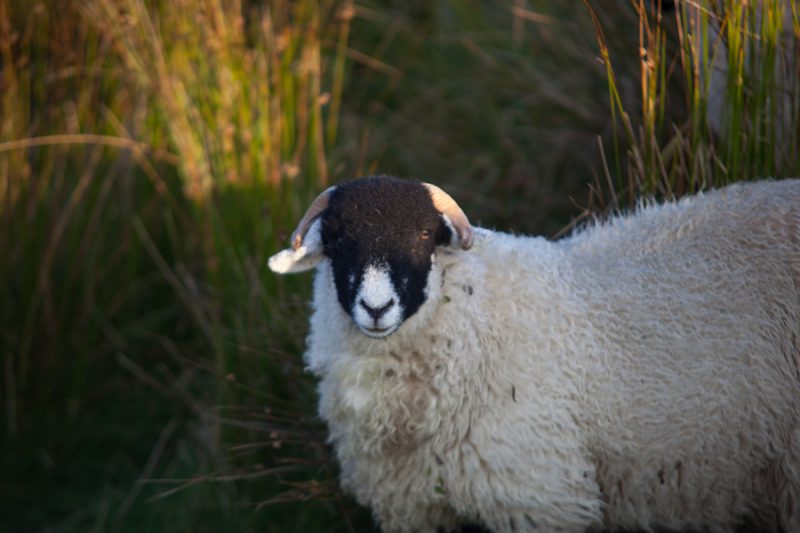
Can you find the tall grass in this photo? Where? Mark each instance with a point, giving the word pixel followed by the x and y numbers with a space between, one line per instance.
pixel 77 287
pixel 239 91
pixel 736 65
pixel 242 92
pixel 150 162
pixel 240 85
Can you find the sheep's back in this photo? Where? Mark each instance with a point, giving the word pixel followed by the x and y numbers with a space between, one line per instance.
pixel 693 314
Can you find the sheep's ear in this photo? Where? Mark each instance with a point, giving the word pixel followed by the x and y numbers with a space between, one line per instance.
pixel 449 237
pixel 453 216
pixel 306 250
pixel 305 257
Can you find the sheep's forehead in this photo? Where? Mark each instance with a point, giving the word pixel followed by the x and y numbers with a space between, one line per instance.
pixel 380 208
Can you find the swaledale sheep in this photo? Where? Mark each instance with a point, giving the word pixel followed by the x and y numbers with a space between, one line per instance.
pixel 643 373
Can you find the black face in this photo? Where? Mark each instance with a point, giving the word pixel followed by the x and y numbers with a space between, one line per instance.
pixel 390 225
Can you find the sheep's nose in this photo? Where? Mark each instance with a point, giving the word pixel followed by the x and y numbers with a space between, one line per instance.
pixel 376 312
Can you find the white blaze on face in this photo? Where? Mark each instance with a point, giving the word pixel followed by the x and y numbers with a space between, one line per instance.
pixel 376 309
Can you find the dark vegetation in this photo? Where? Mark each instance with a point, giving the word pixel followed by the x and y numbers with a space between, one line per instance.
pixel 154 154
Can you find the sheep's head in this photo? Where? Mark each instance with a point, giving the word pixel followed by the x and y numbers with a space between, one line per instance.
pixel 380 235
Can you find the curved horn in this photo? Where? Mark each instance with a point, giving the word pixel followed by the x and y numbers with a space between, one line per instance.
pixel 445 204
pixel 317 206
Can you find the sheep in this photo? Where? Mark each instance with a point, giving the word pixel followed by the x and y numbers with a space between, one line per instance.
pixel 641 373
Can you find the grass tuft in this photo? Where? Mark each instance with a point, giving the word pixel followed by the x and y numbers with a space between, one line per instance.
pixel 718 92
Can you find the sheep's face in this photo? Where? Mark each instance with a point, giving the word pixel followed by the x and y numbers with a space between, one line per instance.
pixel 381 241
pixel 381 236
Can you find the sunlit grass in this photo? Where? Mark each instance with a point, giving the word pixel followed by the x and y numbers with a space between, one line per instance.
pixel 242 91
pixel 737 66
pixel 150 162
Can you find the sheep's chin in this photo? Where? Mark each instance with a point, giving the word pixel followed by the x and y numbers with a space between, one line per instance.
pixel 378 333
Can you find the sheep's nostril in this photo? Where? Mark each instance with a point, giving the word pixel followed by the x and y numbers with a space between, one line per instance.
pixel 376 312
pixel 382 311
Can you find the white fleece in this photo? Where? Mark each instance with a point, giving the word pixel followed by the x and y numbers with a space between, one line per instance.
pixel 643 373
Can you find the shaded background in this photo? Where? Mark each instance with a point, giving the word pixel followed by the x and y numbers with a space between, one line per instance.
pixel 154 154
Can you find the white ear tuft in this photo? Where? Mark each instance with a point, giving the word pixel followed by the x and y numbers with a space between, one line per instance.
pixel 305 257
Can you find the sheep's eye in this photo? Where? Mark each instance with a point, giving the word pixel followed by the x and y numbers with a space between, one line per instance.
pixel 425 235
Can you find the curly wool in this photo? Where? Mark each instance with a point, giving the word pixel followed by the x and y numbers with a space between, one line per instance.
pixel 643 373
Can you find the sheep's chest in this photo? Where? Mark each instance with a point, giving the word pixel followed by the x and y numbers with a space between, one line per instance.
pixel 381 404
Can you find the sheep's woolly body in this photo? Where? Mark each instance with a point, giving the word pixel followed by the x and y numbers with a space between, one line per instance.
pixel 642 373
